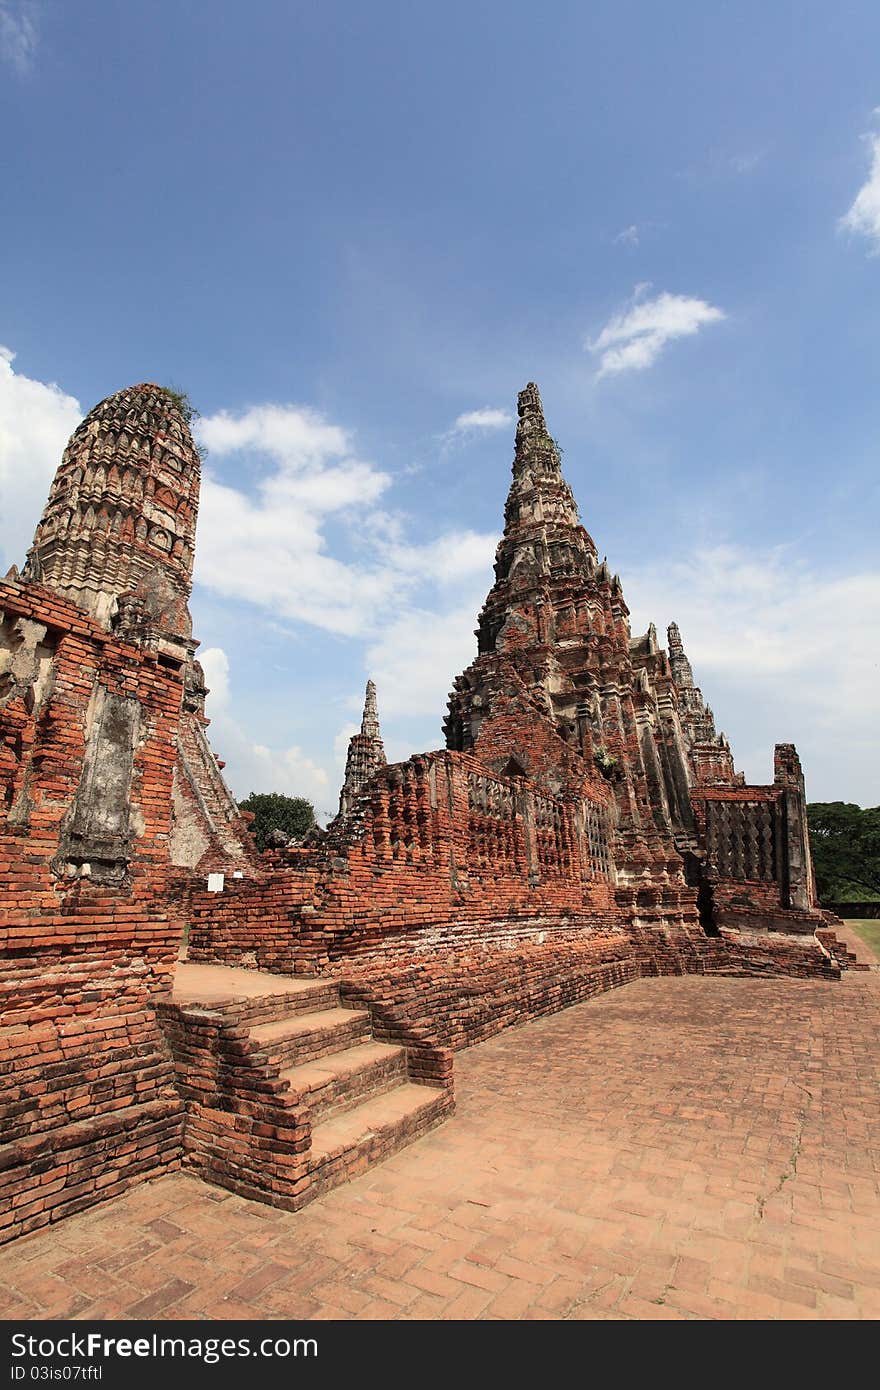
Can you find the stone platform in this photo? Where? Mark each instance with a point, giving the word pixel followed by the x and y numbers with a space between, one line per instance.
pixel 682 1147
pixel 210 985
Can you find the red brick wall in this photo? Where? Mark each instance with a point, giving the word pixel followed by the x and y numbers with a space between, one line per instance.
pixel 87 1098
pixel 240 1130
pixel 456 998
pixel 744 901
pixel 441 842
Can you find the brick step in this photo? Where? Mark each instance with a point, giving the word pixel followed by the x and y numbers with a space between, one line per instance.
pixel 340 1080
pixel 846 959
pixel 250 995
pixel 274 1008
pixel 347 1144
pixel 852 960
pixel 103 1127
pixel 300 1038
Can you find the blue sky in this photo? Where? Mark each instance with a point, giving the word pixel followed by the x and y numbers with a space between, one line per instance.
pixel 353 232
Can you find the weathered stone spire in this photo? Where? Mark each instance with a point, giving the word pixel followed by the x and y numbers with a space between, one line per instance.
pixel 539 492
pixel 366 752
pixel 697 719
pixel 370 720
pixel 682 672
pixel 533 440
pixel 118 529
pixel 787 774
pixel 545 552
pixel 554 622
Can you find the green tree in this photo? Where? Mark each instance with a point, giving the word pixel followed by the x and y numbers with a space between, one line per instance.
pixel 274 811
pixel 845 844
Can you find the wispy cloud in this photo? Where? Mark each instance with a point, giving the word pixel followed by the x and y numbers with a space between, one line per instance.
pixel 283 545
pixel 757 626
pixel 635 337
pixel 487 419
pixel 471 425
pixel 628 237
pixel 36 420
pixel 18 33
pixel 294 435
pixel 415 657
pixel 863 218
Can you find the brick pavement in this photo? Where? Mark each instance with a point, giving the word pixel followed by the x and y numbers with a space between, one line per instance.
pixel 679 1148
pixel 854 942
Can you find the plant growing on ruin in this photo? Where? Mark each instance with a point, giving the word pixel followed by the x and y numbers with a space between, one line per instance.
pixel 181 400
pixel 607 763
pixel 546 441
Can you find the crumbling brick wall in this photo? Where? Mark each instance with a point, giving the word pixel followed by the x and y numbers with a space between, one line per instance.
pixel 757 850
pixel 91 914
pixel 439 841
pixel 463 991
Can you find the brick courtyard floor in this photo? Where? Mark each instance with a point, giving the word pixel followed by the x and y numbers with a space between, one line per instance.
pixel 680 1148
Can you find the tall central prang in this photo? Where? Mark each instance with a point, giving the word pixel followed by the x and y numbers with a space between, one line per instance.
pixel 554 693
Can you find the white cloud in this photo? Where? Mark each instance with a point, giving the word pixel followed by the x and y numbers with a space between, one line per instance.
pixel 863 218
pixel 634 338
pixel 487 419
pixel 628 237
pixel 18 33
pixel 291 771
pixel 215 664
pixel 293 435
pixel 451 558
pixel 36 421
pixel 272 549
pixel 783 652
pixel 253 767
pixel 419 653
pixel 341 742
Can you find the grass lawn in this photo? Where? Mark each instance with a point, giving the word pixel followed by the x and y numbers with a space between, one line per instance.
pixel 868 928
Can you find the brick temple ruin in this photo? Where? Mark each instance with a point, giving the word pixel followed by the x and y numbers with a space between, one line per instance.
pixel 583 826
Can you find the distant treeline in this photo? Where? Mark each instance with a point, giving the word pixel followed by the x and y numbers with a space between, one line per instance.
pixel 845 844
pixel 869 910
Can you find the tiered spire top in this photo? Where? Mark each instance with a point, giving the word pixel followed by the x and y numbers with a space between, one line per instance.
pixel 534 443
pixel 370 720
pixel 121 512
pixel 682 672
pixel 366 753
pixel 539 493
pixel 698 720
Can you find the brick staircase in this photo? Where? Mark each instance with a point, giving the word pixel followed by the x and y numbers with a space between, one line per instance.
pixel 289 1091
pixel 846 959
